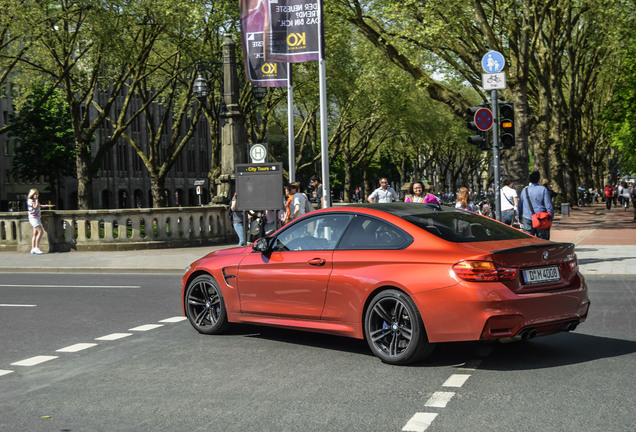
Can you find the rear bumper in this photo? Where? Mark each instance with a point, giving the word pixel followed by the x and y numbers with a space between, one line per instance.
pixel 481 311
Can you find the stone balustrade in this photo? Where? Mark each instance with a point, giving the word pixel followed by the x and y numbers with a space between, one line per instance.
pixel 122 229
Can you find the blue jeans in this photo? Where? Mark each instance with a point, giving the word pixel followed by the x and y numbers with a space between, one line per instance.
pixel 507 216
pixel 238 227
pixel 540 233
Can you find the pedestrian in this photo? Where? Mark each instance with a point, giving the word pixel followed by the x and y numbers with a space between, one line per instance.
pixel 416 193
pixel 463 200
pixel 236 217
pixel 509 201
pixel 317 184
pixel 546 184
pixel 534 199
pixel 298 203
pixel 609 195
pixel 35 219
pixel 632 194
pixel 383 194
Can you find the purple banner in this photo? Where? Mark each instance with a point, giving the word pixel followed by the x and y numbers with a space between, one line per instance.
pixel 259 72
pixel 293 30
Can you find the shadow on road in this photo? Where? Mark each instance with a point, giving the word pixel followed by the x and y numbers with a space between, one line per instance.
pixel 556 350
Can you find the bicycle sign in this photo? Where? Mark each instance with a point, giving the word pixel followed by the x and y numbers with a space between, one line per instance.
pixel 483 119
pixel 494 81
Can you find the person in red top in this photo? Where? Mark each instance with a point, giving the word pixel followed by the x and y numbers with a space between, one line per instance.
pixel 609 196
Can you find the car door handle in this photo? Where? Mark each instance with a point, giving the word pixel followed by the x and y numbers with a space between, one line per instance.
pixel 316 262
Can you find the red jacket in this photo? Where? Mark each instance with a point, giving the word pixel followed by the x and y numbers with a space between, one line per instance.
pixel 609 191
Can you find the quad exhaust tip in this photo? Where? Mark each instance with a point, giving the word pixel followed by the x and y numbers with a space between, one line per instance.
pixel 528 334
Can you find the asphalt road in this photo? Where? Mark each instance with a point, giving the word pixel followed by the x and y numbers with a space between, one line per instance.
pixel 170 378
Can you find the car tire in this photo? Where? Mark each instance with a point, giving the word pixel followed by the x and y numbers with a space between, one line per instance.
pixel 394 330
pixel 205 307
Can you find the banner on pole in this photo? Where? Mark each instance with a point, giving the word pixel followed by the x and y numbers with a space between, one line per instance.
pixel 258 71
pixel 292 31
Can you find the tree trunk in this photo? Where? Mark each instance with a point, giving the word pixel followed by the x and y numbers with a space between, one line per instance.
pixel 157 188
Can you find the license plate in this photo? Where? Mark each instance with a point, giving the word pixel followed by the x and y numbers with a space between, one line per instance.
pixel 541 275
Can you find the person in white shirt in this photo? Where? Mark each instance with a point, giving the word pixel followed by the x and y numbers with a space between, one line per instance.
pixel 509 201
pixel 383 194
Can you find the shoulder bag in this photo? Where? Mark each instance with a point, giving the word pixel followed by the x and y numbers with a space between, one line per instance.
pixel 541 220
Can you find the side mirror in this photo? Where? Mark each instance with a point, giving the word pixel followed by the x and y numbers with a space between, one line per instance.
pixel 260 245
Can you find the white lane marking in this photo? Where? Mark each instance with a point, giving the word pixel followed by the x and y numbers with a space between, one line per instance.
pixel 76 347
pixel 146 327
pixel 456 380
pixel 70 286
pixel 174 319
pixel 33 361
pixel 16 305
pixel 113 336
pixel 419 422
pixel 439 399
pixel 5 372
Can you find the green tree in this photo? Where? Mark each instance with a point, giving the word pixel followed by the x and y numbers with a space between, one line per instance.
pixel 44 141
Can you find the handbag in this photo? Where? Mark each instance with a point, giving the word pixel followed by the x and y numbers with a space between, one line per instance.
pixel 541 220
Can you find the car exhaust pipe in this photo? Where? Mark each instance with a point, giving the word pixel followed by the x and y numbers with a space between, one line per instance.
pixel 571 326
pixel 528 334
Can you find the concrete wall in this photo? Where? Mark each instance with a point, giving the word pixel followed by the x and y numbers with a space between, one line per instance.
pixel 124 229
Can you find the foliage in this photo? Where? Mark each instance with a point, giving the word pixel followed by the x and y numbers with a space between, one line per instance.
pixel 44 141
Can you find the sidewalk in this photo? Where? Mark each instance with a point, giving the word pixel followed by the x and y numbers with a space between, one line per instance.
pixel 605 244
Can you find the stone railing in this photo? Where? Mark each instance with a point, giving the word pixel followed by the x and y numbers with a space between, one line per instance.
pixel 124 229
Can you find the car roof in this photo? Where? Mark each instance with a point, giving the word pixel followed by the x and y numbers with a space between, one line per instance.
pixel 401 209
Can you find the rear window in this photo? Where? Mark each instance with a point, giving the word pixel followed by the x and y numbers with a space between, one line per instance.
pixel 463 227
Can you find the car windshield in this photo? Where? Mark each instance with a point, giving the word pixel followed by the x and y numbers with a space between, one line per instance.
pixel 463 227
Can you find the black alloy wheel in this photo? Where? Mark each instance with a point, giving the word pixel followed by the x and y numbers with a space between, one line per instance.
pixel 205 307
pixel 394 329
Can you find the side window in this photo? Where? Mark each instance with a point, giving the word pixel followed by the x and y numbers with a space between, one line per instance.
pixel 315 233
pixel 369 233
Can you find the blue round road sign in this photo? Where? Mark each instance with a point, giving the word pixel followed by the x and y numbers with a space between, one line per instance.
pixel 493 62
pixel 483 119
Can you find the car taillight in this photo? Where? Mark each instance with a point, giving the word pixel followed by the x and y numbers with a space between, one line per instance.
pixel 574 264
pixel 483 271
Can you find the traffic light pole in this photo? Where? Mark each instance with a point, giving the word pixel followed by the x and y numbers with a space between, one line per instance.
pixel 495 151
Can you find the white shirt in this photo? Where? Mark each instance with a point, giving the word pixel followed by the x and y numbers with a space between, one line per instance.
pixel 299 198
pixel 508 196
pixel 384 196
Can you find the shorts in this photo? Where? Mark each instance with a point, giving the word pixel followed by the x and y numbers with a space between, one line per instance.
pixel 35 222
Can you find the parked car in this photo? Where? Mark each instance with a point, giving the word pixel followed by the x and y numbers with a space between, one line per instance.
pixel 402 276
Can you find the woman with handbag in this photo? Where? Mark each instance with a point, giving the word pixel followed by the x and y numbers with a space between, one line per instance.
pixel 535 208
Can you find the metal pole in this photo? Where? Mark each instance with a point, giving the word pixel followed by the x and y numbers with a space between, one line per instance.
pixel 495 151
pixel 290 125
pixel 324 138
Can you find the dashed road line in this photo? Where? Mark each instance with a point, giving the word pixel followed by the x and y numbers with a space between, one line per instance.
pixel 113 336
pixel 174 319
pixel 419 422
pixel 146 327
pixel 439 399
pixel 456 380
pixel 77 347
pixel 16 305
pixel 32 361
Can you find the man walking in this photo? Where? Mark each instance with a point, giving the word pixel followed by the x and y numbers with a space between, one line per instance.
pixel 317 184
pixel 383 194
pixel 509 201
pixel 534 199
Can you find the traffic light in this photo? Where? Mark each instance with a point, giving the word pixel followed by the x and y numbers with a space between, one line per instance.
pixel 480 140
pixel 507 123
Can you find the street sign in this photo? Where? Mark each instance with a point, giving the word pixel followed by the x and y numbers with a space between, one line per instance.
pixel 258 153
pixel 493 62
pixel 495 81
pixel 483 119
pixel 199 182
